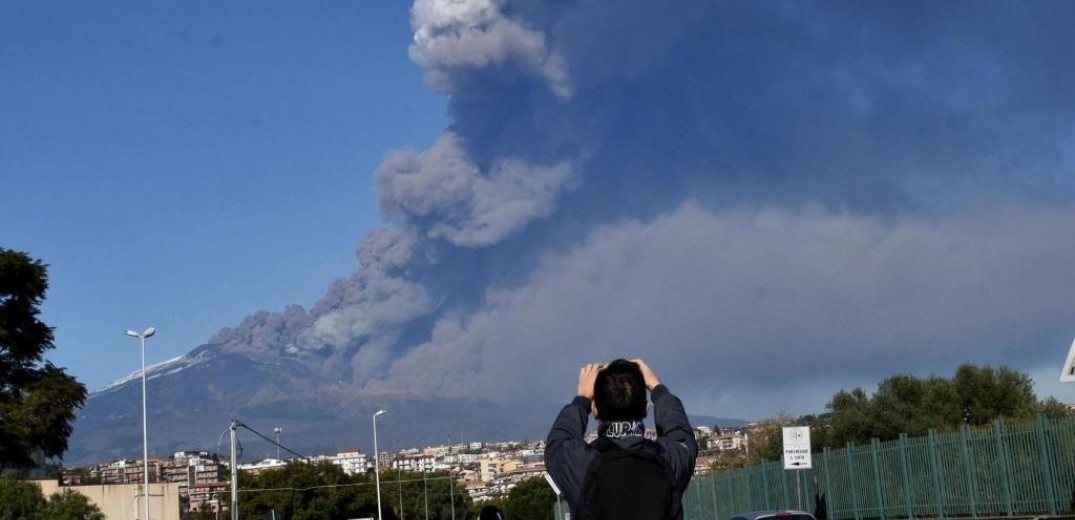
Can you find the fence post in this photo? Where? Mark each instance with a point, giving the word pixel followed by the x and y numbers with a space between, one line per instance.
pixel 968 467
pixel 1046 463
pixel 935 467
pixel 752 497
pixel 851 480
pixel 698 502
pixel 743 488
pixel 826 453
pixel 765 484
pixel 874 445
pixel 713 491
pixel 905 470
pixel 1000 435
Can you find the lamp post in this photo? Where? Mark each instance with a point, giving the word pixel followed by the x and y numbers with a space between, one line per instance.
pixel 145 429
pixel 399 479
pixel 377 462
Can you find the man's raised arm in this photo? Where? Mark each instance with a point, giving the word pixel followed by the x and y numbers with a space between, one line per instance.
pixel 674 431
pixel 566 443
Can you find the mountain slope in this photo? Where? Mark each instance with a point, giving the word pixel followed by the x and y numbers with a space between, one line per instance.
pixel 191 401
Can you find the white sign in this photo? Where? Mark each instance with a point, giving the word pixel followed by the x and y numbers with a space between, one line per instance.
pixel 797 448
pixel 1067 375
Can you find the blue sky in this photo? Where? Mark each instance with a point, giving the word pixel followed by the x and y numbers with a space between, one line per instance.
pixel 770 201
pixel 183 165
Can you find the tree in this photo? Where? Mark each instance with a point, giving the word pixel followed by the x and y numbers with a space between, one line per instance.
pixel 905 404
pixel 852 417
pixel 69 505
pixel 531 499
pixel 185 514
pixel 975 396
pixel 21 500
pixel 986 395
pixel 322 491
pixel 37 399
pixel 767 443
pixel 729 460
pixel 1053 409
pixel 433 489
pixel 446 495
pixel 304 491
pixel 197 515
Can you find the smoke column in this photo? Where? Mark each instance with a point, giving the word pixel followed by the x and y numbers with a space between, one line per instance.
pixel 768 200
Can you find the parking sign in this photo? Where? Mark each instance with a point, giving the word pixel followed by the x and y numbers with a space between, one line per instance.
pixel 797 448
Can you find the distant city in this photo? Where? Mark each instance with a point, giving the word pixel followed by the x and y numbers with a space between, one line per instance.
pixel 486 470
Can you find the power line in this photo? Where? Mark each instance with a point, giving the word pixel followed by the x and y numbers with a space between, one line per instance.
pixel 274 443
pixel 352 484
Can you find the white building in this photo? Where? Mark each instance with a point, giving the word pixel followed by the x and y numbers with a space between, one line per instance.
pixel 262 465
pixel 352 462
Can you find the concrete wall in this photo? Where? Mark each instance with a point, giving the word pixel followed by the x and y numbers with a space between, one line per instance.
pixel 121 502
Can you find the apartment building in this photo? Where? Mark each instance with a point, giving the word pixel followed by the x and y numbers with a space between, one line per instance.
pixel 726 441
pixel 352 462
pixel 492 468
pixel 197 473
pixel 262 465
pixel 126 471
pixel 206 496
pixel 415 461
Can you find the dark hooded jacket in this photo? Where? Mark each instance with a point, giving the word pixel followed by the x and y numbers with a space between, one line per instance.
pixel 567 455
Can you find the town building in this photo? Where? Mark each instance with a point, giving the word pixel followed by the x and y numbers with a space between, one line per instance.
pixel 126 471
pixel 353 462
pixel 485 470
pixel 197 473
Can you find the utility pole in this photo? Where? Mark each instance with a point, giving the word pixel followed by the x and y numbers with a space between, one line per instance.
pixel 451 490
pixel 425 488
pixel 234 470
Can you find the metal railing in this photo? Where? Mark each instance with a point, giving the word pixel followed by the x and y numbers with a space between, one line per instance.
pixel 1001 471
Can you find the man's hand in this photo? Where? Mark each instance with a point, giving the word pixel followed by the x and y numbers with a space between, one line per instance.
pixel 587 377
pixel 647 374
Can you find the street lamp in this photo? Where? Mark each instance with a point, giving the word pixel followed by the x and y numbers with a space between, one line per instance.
pixel 377 462
pixel 145 430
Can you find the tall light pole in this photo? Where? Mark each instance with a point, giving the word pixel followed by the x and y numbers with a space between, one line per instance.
pixel 399 479
pixel 145 429
pixel 377 462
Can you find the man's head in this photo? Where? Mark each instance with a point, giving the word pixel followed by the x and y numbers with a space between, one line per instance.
pixel 619 392
pixel 490 513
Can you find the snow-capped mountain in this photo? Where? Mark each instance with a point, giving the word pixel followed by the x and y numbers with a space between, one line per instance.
pixel 192 399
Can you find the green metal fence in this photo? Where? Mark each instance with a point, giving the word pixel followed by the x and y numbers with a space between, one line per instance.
pixel 1006 470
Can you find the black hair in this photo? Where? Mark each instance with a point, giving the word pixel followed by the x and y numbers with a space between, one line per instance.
pixel 619 392
pixel 490 512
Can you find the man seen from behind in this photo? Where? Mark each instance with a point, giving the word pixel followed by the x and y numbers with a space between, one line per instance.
pixel 622 475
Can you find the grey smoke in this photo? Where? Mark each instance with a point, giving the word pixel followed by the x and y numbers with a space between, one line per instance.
pixel 771 201
pixel 747 305
pixel 451 37
pixel 444 194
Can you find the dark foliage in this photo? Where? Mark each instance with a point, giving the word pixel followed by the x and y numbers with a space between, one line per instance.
pixel 37 399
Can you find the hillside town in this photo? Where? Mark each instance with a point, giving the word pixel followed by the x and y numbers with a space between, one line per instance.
pixel 486 470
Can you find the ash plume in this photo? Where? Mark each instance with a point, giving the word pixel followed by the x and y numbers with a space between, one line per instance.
pixel 758 197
